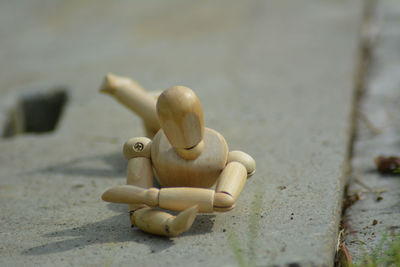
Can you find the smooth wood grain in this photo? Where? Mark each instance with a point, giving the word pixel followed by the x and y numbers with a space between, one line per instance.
pixel 181 116
pixel 129 194
pixel 191 154
pixel 186 158
pixel 161 223
pixel 137 147
pixel 223 202
pixel 134 97
pixel 139 172
pixel 174 171
pixel 245 159
pixel 181 198
pixel 139 169
pixel 152 221
pixel 232 179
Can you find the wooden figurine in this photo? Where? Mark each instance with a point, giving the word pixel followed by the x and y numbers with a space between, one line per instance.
pixel 186 158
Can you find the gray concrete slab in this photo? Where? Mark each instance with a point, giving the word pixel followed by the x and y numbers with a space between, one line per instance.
pixel 378 134
pixel 274 77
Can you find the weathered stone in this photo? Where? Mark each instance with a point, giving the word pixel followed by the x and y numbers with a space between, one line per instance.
pixel 274 77
pixel 377 213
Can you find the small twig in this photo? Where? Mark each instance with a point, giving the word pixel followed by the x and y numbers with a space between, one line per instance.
pixel 343 256
pixel 358 181
pixel 346 254
pixel 339 239
pixel 376 191
pixel 370 125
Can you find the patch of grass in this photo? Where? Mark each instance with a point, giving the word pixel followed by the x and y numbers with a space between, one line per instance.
pixel 387 253
pixel 248 259
pixel 237 249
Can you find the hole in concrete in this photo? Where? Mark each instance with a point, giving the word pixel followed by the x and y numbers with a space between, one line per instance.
pixel 37 112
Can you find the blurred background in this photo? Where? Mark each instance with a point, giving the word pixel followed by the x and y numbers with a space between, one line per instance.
pixel 309 88
pixel 234 51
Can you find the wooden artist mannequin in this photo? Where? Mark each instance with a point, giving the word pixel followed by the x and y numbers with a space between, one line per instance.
pixel 186 158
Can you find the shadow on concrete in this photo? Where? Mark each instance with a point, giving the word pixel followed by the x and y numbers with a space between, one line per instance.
pixel 203 223
pixel 114 230
pixel 89 166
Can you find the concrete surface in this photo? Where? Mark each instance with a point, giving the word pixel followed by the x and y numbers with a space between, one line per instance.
pixel 274 77
pixel 378 134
